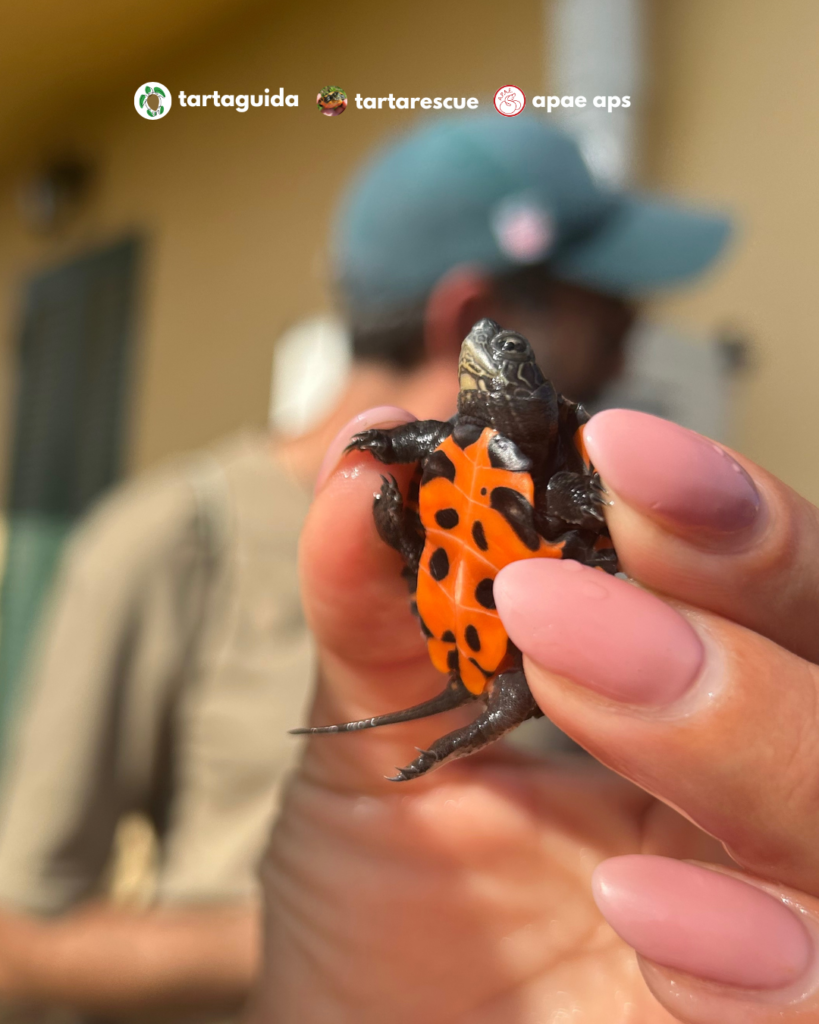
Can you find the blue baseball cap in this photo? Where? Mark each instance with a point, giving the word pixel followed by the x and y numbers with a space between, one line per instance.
pixel 502 193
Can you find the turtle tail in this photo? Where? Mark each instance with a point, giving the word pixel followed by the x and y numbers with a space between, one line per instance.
pixel 455 695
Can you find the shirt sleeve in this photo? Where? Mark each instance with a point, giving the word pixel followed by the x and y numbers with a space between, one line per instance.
pixel 91 740
pixel 253 677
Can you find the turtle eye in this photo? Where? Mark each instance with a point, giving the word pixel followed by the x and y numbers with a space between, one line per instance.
pixel 512 345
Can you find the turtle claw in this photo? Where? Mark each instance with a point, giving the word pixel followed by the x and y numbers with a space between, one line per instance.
pixel 389 489
pixel 376 442
pixel 427 761
pixel 404 775
pixel 591 509
pixel 598 490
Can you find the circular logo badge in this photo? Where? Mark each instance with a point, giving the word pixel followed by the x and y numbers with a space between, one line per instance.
pixel 509 100
pixel 332 101
pixel 152 100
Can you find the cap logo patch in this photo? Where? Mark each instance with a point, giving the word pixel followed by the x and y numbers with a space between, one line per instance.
pixel 524 231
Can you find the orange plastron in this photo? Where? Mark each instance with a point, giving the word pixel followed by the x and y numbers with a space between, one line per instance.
pixel 477 519
pixel 580 445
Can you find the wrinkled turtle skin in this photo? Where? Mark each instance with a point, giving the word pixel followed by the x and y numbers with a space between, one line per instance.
pixel 507 478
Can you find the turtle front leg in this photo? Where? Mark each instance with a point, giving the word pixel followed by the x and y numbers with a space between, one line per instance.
pixel 577 499
pixel 406 443
pixel 508 704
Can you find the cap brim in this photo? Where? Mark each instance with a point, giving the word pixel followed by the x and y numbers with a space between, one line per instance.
pixel 643 245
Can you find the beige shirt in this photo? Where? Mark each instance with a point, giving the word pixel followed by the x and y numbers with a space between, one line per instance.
pixel 171 663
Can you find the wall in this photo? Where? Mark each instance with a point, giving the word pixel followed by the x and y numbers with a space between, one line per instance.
pixel 735 121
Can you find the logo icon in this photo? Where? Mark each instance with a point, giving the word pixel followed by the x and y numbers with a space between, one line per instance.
pixel 332 101
pixel 152 100
pixel 509 100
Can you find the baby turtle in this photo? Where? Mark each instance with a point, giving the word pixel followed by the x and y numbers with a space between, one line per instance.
pixel 506 478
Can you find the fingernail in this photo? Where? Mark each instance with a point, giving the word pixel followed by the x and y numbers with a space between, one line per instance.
pixel 601 632
pixel 380 416
pixel 704 923
pixel 671 472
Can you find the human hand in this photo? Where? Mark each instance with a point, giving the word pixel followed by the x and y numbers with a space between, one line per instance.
pixel 467 896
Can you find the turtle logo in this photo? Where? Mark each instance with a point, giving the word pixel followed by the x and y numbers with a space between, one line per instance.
pixel 152 100
pixel 332 101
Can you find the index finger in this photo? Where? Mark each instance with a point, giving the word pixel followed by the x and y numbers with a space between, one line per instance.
pixel 699 523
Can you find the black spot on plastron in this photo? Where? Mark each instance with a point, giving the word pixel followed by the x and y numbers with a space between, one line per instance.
pixel 439 565
pixel 517 511
pixel 486 675
pixel 472 638
pixel 479 536
pixel 485 594
pixel 452 660
pixel 505 454
pixel 447 518
pixel 466 434
pixel 425 628
pixel 448 637
pixel 438 464
pixel 483 490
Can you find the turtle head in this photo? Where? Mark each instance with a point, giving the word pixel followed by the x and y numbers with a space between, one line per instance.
pixel 498 362
pixel 502 386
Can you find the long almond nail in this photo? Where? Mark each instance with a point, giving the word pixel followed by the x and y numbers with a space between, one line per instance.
pixel 702 922
pixel 599 631
pixel 380 416
pixel 670 472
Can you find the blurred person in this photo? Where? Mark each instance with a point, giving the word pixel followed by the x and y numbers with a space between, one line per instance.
pixel 175 656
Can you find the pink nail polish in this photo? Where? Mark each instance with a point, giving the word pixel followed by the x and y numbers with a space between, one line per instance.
pixel 597 630
pixel 671 472
pixel 380 416
pixel 704 923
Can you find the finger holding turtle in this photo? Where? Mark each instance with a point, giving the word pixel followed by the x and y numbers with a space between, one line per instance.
pixel 706 698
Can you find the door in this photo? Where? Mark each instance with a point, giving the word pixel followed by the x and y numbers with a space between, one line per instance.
pixel 74 352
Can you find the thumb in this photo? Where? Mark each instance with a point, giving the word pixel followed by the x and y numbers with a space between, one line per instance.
pixel 372 656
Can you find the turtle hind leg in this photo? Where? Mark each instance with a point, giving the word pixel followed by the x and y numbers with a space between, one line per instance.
pixel 399 526
pixel 453 696
pixel 508 705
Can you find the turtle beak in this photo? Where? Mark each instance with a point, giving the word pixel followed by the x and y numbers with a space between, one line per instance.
pixel 474 367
